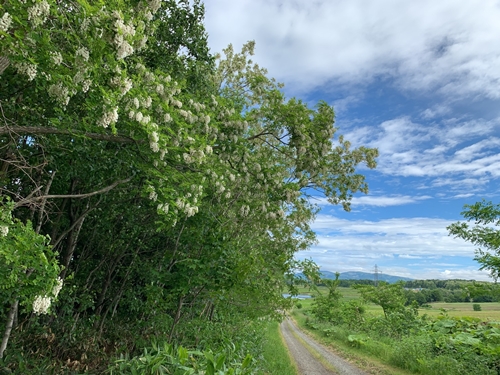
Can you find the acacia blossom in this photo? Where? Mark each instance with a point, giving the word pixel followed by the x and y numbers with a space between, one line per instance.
pixel 5 22
pixel 41 305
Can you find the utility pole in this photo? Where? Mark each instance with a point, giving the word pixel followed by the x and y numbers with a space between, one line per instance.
pixel 375 275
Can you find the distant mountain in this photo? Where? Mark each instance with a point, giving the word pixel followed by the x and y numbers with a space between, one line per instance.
pixel 361 276
pixel 364 276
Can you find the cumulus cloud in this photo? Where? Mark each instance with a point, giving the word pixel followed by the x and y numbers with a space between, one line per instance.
pixel 429 45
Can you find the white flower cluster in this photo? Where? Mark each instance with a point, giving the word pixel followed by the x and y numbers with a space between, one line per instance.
pixel 28 69
pixel 186 207
pixel 163 207
pixel 153 141
pixel 154 5
pixel 125 30
pixel 177 103
pixel 5 22
pixel 4 230
pixel 57 288
pixel 41 305
pixel 83 52
pixel 124 86
pixel 86 85
pixel 38 13
pixel 60 93
pixel 123 47
pixel 244 210
pixel 56 57
pixel 108 118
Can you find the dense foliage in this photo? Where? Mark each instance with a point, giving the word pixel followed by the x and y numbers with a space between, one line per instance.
pixel 164 189
pixel 399 336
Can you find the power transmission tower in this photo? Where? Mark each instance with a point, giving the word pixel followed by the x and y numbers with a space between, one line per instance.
pixel 375 275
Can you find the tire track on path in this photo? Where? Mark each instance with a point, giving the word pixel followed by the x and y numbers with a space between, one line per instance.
pixel 306 351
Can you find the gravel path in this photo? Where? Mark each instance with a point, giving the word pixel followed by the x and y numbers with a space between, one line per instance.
pixel 302 348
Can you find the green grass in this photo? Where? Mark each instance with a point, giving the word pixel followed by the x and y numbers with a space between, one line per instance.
pixel 369 362
pixel 276 354
pixel 489 310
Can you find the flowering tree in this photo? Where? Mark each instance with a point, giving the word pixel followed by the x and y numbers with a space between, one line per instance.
pixel 173 185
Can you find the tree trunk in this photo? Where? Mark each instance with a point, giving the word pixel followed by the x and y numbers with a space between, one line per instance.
pixel 8 326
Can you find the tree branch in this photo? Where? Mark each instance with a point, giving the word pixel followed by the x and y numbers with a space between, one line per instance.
pixel 26 201
pixel 35 130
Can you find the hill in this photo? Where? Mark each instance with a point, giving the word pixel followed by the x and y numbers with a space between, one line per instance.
pixel 364 276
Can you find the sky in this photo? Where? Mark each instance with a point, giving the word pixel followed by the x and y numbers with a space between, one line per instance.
pixel 418 80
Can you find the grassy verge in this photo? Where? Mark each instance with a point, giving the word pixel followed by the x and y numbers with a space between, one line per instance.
pixel 277 358
pixel 366 360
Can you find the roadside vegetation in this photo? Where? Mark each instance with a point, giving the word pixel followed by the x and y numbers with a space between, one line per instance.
pixel 386 325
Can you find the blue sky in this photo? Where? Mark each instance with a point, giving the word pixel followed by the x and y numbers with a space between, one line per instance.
pixel 418 80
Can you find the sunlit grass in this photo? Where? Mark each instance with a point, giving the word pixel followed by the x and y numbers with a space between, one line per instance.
pixel 276 355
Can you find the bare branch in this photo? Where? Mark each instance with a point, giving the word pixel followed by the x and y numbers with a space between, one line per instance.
pixel 30 200
pixel 36 130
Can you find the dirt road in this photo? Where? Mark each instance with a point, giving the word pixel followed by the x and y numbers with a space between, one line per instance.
pixel 313 358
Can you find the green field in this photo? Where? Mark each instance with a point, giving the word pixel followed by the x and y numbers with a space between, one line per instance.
pixel 489 310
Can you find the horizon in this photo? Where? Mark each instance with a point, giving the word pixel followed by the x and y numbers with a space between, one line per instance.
pixel 420 83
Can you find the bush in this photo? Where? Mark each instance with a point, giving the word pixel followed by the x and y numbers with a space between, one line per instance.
pixel 476 307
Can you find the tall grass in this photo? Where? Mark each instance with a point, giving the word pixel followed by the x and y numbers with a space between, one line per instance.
pixel 276 356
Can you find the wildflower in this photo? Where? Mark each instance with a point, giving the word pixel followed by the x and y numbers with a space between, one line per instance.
pixel 41 305
pixel 5 22
pixel 4 230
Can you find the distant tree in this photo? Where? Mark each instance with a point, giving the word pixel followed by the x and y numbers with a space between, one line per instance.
pixel 483 233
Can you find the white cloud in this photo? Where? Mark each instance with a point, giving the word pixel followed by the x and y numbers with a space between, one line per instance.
pixel 429 45
pixel 377 201
pixel 405 236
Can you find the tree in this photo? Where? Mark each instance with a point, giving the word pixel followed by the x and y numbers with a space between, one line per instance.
pixel 173 185
pixel 483 233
